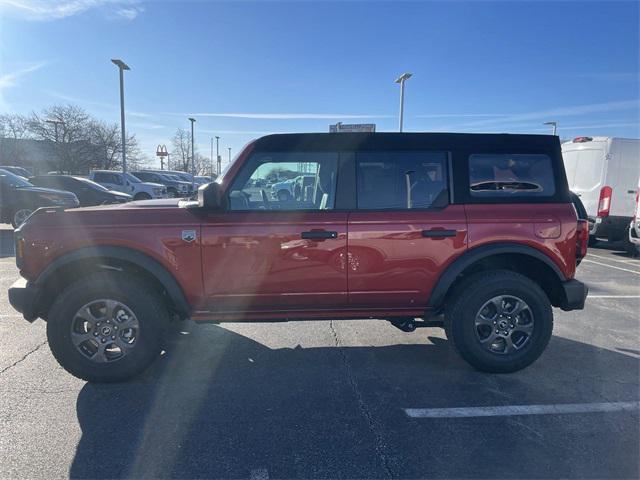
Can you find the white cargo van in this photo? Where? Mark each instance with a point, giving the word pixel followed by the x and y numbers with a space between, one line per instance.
pixel 634 226
pixel 604 172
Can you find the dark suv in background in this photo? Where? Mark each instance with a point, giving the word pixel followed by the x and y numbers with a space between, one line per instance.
pixel 19 198
pixel 175 186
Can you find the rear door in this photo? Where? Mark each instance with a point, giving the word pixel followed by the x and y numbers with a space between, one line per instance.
pixel 404 230
pixel 585 165
pixel 268 255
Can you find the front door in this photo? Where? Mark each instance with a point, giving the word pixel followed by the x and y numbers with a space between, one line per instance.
pixel 268 253
pixel 404 232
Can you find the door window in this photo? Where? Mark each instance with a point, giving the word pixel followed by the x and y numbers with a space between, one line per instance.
pixel 286 181
pixel 401 180
pixel 512 175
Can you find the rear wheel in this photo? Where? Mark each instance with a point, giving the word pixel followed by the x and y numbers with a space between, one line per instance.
pixel 106 327
pixel 499 321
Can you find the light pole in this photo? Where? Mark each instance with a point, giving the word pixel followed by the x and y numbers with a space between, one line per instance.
pixel 193 154
pixel 401 79
pixel 212 157
pixel 122 67
pixel 554 125
pixel 229 154
pixel 218 159
pixel 55 124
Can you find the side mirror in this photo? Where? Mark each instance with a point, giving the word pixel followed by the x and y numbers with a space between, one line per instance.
pixel 210 196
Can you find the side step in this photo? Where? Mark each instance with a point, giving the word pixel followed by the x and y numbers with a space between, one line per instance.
pixel 409 324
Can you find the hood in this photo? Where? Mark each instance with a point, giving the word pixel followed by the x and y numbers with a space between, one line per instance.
pixel 136 205
pixel 116 193
pixel 46 191
pixel 153 185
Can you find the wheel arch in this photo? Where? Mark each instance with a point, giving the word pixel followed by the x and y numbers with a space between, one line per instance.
pixel 73 265
pixel 523 259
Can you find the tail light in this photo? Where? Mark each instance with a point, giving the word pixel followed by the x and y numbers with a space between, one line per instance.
pixel 582 238
pixel 604 204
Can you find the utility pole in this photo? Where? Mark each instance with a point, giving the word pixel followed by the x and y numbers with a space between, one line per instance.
pixel 218 159
pixel 211 157
pixel 55 124
pixel 401 79
pixel 193 156
pixel 122 67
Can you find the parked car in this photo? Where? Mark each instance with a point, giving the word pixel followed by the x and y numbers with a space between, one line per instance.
pixel 175 186
pixel 202 179
pixel 89 193
pixel 292 188
pixel 634 226
pixel 603 172
pixel 475 233
pixel 19 198
pixel 129 184
pixel 21 171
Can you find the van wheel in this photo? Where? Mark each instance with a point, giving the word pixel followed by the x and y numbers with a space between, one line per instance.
pixel 20 216
pixel 142 196
pixel 107 327
pixel 499 321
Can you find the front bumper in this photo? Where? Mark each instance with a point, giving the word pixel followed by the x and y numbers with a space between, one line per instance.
pixel 574 294
pixel 24 297
pixel 634 233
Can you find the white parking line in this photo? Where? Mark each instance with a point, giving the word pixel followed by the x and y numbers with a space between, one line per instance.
pixel 611 266
pixel 509 410
pixel 613 296
pixel 626 262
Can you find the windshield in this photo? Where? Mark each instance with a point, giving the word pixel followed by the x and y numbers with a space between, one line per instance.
pixel 93 184
pixel 14 180
pixel 132 178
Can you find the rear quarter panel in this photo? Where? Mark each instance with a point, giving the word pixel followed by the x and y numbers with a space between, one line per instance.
pixel 549 228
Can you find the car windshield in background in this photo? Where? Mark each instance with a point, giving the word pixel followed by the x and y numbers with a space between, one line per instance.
pixel 132 178
pixel 14 180
pixel 92 184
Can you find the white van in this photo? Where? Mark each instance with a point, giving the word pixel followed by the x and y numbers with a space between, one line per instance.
pixel 604 172
pixel 634 226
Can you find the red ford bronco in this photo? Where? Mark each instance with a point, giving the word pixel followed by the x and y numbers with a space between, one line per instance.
pixel 473 232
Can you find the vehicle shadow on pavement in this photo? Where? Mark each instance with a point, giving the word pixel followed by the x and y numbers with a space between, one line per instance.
pixel 220 405
pixel 6 244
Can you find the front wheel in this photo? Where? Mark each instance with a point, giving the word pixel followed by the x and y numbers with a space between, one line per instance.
pixel 499 321
pixel 106 327
pixel 142 196
pixel 20 216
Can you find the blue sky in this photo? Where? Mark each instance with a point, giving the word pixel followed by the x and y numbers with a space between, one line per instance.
pixel 244 69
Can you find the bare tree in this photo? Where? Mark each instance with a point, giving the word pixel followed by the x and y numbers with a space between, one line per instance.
pixel 69 128
pixel 108 141
pixel 181 155
pixel 13 129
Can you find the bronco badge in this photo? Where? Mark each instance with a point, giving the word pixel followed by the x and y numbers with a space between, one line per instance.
pixel 188 235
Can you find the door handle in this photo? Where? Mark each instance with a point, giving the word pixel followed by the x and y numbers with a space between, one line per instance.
pixel 318 235
pixel 433 233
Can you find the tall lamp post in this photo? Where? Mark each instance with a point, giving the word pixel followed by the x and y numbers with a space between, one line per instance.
pixel 122 67
pixel 55 124
pixel 229 154
pixel 554 125
pixel 193 154
pixel 218 159
pixel 401 79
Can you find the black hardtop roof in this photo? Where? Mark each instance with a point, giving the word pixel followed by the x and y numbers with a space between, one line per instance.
pixel 405 141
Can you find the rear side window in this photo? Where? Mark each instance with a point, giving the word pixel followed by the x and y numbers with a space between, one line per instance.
pixel 510 175
pixel 401 180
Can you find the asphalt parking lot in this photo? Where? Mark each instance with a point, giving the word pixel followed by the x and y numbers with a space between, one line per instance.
pixel 329 400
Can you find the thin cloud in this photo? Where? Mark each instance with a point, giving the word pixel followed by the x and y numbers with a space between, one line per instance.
pixel 461 115
pixel 555 113
pixel 95 103
pixel 282 116
pixel 47 10
pixel 8 80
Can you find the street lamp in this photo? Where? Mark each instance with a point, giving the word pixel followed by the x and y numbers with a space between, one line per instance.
pixel 55 124
pixel 229 154
pixel 218 159
pixel 401 79
pixel 193 154
pixel 554 125
pixel 122 67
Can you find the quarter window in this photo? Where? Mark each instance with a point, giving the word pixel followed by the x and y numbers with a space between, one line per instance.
pixel 510 175
pixel 401 180
pixel 286 181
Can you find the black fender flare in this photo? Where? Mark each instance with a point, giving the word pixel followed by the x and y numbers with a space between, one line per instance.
pixel 470 257
pixel 135 257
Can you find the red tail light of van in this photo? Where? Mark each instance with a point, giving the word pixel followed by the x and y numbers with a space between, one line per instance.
pixel 582 238
pixel 604 204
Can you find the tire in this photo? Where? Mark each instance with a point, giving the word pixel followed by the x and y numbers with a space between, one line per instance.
pixel 19 216
pixel 172 192
pixel 467 302
pixel 284 196
pixel 129 294
pixel 142 196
